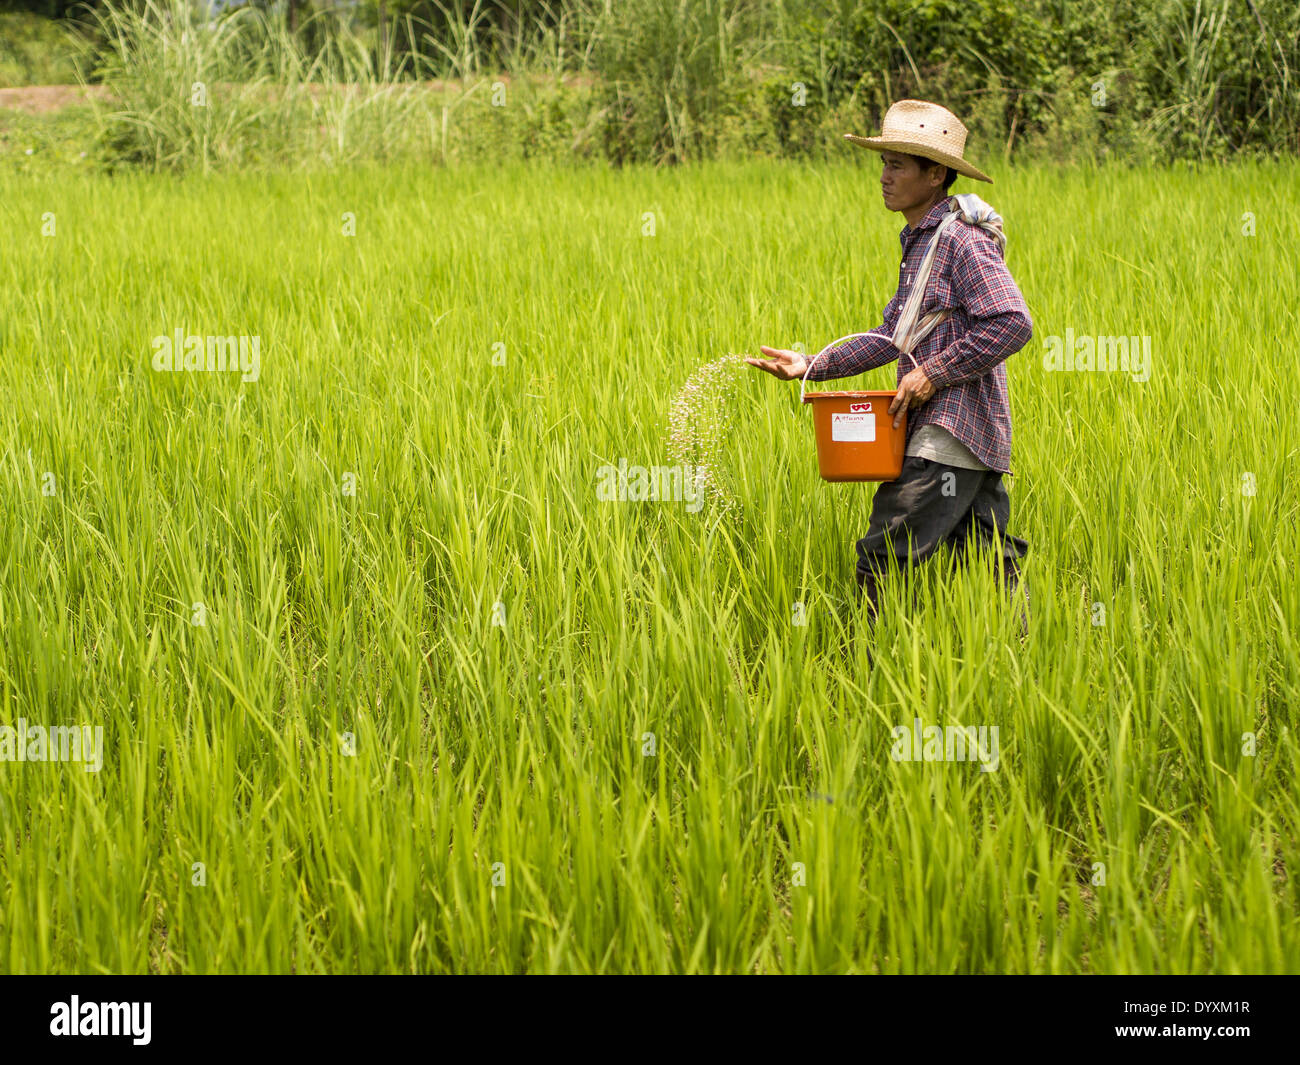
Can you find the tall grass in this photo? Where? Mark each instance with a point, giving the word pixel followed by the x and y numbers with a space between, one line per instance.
pixel 671 70
pixel 191 91
pixel 525 743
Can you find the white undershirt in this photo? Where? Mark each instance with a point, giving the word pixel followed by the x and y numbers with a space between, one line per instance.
pixel 935 443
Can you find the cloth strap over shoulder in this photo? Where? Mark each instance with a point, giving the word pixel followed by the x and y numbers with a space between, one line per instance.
pixel 912 328
pixel 909 332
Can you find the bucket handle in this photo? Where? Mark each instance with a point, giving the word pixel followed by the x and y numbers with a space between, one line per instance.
pixel 918 331
pixel 833 344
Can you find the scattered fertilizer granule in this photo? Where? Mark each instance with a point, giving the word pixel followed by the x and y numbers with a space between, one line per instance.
pixel 699 426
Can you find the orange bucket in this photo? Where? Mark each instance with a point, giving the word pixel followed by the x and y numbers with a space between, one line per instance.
pixel 856 438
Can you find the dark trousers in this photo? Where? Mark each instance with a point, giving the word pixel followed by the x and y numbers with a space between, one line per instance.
pixel 929 505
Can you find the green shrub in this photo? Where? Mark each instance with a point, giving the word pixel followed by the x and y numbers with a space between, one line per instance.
pixel 35 51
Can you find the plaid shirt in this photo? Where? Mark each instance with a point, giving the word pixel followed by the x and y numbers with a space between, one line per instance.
pixel 963 355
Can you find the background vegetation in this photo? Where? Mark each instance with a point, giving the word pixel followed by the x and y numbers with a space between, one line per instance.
pixel 665 81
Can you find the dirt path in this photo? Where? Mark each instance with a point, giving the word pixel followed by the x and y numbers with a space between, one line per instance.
pixel 40 99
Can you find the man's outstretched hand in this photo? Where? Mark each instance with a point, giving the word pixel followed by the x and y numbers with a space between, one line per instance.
pixel 913 390
pixel 786 365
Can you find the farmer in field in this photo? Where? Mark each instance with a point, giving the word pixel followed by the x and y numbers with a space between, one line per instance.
pixel 956 316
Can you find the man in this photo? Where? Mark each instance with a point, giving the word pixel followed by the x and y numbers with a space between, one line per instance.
pixel 950 341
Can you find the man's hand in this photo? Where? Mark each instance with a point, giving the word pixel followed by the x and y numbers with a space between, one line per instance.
pixel 913 390
pixel 786 365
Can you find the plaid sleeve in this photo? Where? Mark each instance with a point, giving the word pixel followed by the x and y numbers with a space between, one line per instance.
pixel 1000 323
pixel 862 353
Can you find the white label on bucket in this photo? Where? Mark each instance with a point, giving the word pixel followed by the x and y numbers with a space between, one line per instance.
pixel 853 427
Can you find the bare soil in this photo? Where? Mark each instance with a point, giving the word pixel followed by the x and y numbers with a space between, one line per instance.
pixel 41 99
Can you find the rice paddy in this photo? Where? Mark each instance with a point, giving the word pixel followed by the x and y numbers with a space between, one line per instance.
pixel 385 685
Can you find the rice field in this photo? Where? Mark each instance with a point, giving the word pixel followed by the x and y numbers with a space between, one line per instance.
pixel 394 675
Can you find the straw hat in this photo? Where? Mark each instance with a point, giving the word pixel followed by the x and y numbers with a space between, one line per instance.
pixel 928 130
